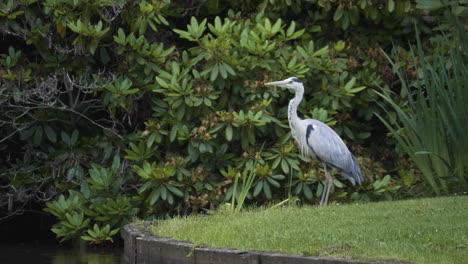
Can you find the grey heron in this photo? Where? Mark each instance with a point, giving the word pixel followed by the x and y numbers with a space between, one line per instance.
pixel 319 141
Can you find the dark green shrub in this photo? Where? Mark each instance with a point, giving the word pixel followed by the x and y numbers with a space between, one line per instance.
pixel 113 109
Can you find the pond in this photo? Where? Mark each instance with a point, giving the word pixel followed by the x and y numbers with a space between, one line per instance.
pixel 27 238
pixel 57 254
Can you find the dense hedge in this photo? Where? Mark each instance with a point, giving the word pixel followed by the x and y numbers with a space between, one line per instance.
pixel 112 109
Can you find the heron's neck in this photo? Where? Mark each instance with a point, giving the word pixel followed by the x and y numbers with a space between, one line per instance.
pixel 292 109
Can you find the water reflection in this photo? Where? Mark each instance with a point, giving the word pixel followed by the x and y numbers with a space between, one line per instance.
pixel 42 254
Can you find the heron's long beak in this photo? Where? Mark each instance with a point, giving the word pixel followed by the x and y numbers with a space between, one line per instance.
pixel 278 83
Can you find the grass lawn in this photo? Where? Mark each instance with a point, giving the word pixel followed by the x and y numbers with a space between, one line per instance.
pixel 431 230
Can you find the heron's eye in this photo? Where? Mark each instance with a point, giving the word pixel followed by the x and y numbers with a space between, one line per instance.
pixel 290 82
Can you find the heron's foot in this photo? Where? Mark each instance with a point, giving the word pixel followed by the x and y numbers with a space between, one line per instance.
pixel 323 202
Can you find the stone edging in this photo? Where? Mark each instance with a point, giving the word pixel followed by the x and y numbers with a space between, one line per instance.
pixel 142 247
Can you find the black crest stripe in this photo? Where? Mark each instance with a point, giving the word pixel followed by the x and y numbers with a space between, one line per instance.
pixel 310 128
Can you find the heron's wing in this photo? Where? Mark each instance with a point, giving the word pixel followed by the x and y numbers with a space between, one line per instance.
pixel 327 146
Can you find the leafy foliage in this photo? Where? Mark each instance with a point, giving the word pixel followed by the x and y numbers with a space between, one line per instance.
pixel 114 109
pixel 429 127
pixel 98 201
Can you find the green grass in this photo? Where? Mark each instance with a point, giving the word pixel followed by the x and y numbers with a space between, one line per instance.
pixel 431 230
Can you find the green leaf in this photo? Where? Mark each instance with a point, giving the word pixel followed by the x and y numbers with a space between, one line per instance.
pixel 93 44
pixel 297 34
pixel 319 191
pixel 104 56
pixel 150 140
pixel 338 14
pixel 298 188
pixel 291 29
pixel 161 82
pixel 429 4
pixel 276 27
pixel 337 183
pixel 214 72
pixel 357 89
pixel 132 91
pixel 87 238
pixel 154 196
pixel 223 72
pixel 184 34
pixel 292 62
pixel 276 162
pixel 284 166
pixel 320 52
pixel 121 36
pixel 229 132
pixel 335 103
pixel 37 139
pixel 173 133
pixel 391 6
pixel 145 187
pixel 84 189
pixel 61 29
pixel 175 191
pixel 386 180
pixel 273 182
pixel 258 188
pixel 267 190
pixel 116 163
pixel 170 198
pixel 315 28
pixel 218 25
pixel 423 153
pixel 350 83
pixel 364 135
pixel 74 137
pixel 229 69
pixel 267 25
pixel 348 132
pixel 345 22
pixel 163 19
pixel 307 192
pixel 50 133
pixel 278 177
pixel 163 191
pixel 113 232
pixel 180 112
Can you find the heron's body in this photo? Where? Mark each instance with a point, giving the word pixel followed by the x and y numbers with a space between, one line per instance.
pixel 319 141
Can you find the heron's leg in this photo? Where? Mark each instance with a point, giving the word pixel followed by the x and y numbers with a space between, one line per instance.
pixel 323 194
pixel 326 189
pixel 329 181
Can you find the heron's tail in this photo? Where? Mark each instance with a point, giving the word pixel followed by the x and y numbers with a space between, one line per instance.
pixel 355 175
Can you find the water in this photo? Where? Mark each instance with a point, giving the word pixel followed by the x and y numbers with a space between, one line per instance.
pixel 27 239
pixel 57 254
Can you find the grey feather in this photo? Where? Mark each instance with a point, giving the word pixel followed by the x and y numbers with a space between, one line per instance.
pixel 328 147
pixel 319 141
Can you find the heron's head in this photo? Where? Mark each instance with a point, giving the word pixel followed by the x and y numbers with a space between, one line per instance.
pixel 291 83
